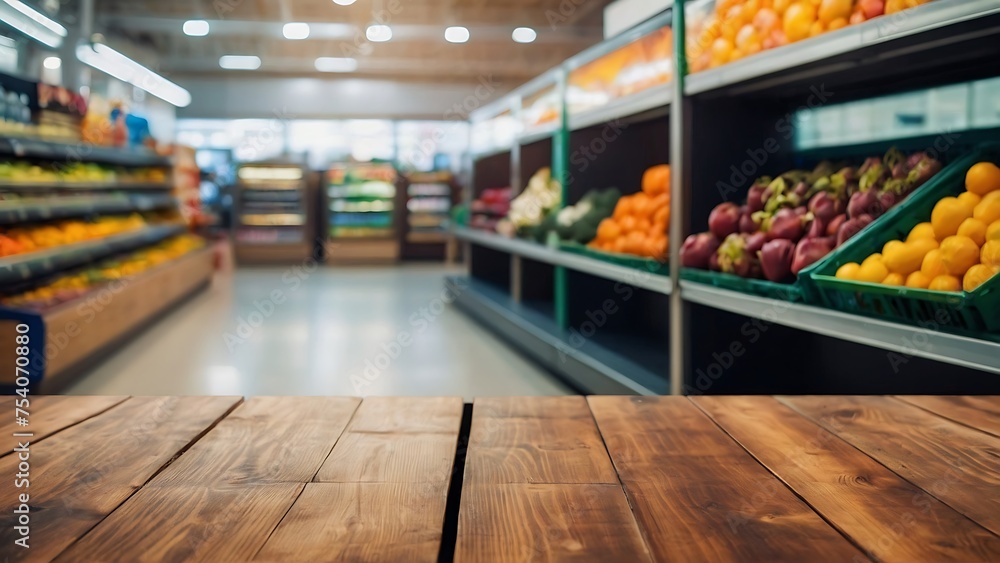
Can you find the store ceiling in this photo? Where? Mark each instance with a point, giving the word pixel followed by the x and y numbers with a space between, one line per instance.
pixel 417 50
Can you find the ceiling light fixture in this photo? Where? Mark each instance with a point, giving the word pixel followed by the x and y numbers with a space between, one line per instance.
pixel 52 63
pixel 296 30
pixel 343 2
pixel 32 23
pixel 524 35
pixel 239 62
pixel 196 28
pixel 336 64
pixel 378 33
pixel 456 34
pixel 113 63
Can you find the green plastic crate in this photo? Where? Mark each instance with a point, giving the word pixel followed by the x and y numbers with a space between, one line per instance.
pixel 975 313
pixel 627 260
pixel 793 292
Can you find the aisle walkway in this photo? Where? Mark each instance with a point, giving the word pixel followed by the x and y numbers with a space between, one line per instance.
pixel 282 331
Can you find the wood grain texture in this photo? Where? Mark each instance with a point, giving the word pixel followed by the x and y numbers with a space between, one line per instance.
pixel 50 414
pixel 265 440
pixel 954 463
pixel 188 523
pixel 891 519
pixel 397 441
pixel 699 496
pixel 981 413
pixel 511 442
pixel 361 522
pixel 83 473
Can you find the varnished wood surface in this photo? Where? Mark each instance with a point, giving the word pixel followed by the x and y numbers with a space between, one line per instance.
pixel 543 479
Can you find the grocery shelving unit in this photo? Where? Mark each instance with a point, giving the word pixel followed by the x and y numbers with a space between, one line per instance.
pixel 68 336
pixel 718 341
pixel 363 210
pixel 272 214
pixel 429 197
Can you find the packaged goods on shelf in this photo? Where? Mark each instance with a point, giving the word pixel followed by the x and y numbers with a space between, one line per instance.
pixel 723 31
pixel 71 286
pixel 528 210
pixel 792 221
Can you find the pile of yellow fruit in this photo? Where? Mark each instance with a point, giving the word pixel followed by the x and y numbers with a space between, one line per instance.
pixel 959 249
pixel 40 237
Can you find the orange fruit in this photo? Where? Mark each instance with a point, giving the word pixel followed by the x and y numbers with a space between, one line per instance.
pixel 904 259
pixel 608 230
pixel 945 283
pixel 816 29
pixel 894 279
pixel 974 229
pixel 872 271
pixel 628 223
pixel 990 254
pixel 948 215
pixel 873 258
pixel 977 276
pixel 918 280
pixel 830 10
pixel 970 198
pixel 836 24
pixel 933 266
pixel 642 225
pixel 988 209
pixel 993 231
pixel 923 230
pixel 891 246
pixel 983 178
pixel 765 20
pixel 798 20
pixel 958 254
pixel 848 271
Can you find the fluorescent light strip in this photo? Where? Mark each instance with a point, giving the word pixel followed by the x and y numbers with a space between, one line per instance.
pixel 196 28
pixel 378 33
pixel 336 64
pixel 32 23
pixel 239 62
pixel 113 63
pixel 296 30
pixel 456 34
pixel 524 35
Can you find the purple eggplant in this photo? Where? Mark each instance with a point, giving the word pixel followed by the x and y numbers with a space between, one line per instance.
pixel 834 225
pixel 698 249
pixel 823 206
pixel 724 220
pixel 786 224
pixel 809 251
pixel 776 259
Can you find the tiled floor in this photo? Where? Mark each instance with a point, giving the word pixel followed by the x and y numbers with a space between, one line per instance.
pixel 336 331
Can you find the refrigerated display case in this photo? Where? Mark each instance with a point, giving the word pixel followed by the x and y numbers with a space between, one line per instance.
pixel 272 214
pixel 363 211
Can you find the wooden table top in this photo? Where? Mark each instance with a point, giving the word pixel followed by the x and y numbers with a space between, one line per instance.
pixel 505 479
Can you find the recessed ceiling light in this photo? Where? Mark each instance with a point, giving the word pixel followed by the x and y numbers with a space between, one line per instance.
pixel 524 35
pixel 52 63
pixel 343 2
pixel 378 33
pixel 196 28
pixel 456 34
pixel 296 30
pixel 336 64
pixel 240 62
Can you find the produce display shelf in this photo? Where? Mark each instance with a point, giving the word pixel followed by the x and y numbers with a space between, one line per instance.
pixel 581 263
pixel 657 97
pixel 31 265
pixel 855 39
pixel 902 339
pixel 538 133
pixel 85 186
pixel 589 367
pixel 13 212
pixel 495 151
pixel 70 152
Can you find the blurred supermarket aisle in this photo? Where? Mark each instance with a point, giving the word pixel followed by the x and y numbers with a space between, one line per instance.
pixel 285 331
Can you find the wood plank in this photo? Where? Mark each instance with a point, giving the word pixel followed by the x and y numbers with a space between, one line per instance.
pixel 52 413
pixel 891 519
pixel 408 414
pixel 531 448
pixel 956 464
pixel 981 413
pixel 265 440
pixel 218 522
pixel 699 496
pixel 583 522
pixel 361 522
pixel 83 473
